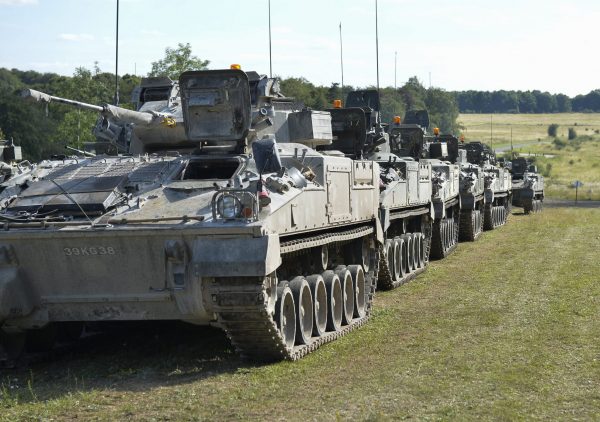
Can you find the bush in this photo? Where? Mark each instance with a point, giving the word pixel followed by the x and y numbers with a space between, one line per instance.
pixel 572 134
pixel 547 170
pixel 553 130
pixel 571 162
pixel 559 143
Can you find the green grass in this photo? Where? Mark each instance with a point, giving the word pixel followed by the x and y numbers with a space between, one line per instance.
pixel 526 128
pixel 506 328
pixel 579 160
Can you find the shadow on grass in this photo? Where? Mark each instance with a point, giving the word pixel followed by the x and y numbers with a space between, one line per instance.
pixel 125 357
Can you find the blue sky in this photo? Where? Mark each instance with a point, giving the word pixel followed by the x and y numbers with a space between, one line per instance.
pixel 484 45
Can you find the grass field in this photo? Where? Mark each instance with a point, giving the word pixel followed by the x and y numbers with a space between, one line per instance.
pixel 526 128
pixel 578 160
pixel 506 328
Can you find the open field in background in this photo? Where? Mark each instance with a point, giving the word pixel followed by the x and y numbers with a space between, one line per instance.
pixel 506 328
pixel 577 160
pixel 526 128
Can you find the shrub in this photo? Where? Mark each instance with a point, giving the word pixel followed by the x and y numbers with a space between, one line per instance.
pixel 553 130
pixel 559 143
pixel 547 170
pixel 572 134
pixel 571 162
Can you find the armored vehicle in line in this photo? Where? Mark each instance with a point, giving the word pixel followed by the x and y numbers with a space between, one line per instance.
pixel 498 187
pixel 404 187
pixel 223 214
pixel 527 186
pixel 472 189
pixel 409 139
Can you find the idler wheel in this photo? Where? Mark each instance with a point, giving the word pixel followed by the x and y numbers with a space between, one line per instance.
pixel 360 290
pixel 319 294
pixel 304 309
pixel 347 293
pixel 285 315
pixel 335 303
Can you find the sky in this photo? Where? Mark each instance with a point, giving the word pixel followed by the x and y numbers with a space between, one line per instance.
pixel 548 45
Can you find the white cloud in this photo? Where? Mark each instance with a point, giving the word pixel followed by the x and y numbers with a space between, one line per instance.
pixel 17 2
pixel 75 37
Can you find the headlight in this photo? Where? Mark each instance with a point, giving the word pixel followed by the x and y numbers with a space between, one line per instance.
pixel 229 206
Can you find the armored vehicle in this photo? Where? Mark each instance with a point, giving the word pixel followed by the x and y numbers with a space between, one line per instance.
pixel 497 184
pixel 404 187
pixel 409 139
pixel 527 186
pixel 223 214
pixel 472 189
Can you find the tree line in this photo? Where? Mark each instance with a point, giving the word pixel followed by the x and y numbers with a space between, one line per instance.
pixel 525 102
pixel 43 131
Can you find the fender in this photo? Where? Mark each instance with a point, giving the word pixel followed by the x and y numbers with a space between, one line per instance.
pixel 236 256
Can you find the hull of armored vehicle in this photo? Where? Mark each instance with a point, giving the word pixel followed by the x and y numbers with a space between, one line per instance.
pixel 405 210
pixel 528 193
pixel 164 253
pixel 445 199
pixel 472 191
pixel 498 191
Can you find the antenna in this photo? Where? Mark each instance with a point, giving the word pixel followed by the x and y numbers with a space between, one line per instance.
pixel 377 44
pixel 395 69
pixel 117 59
pixel 512 154
pixel 342 58
pixel 491 131
pixel 270 50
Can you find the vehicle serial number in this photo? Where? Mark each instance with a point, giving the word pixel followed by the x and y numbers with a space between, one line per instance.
pixel 89 251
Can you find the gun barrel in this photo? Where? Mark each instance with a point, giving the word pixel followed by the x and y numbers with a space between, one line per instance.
pixel 41 97
pixel 86 153
pixel 118 113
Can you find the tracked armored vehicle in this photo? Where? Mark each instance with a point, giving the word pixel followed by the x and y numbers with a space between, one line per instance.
pixel 527 186
pixel 223 214
pixel 498 186
pixel 409 139
pixel 12 167
pixel 405 198
pixel 472 189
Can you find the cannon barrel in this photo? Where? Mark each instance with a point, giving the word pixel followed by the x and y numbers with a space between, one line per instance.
pixel 107 110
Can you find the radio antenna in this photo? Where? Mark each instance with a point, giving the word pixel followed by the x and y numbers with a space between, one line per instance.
pixel 342 57
pixel 117 59
pixel 270 50
pixel 377 44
